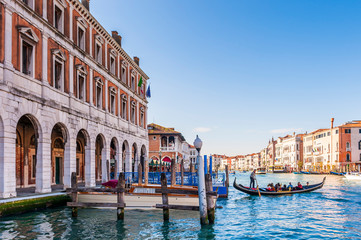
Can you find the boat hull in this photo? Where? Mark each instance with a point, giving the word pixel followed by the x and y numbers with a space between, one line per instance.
pixel 269 193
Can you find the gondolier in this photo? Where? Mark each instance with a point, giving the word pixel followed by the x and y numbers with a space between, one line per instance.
pixel 252 178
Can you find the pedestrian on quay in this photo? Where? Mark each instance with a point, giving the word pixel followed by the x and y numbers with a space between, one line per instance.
pixel 252 178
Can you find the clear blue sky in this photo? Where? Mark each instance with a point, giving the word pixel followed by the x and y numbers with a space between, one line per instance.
pixel 238 72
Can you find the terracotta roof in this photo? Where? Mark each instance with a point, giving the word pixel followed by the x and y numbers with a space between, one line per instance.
pixel 352 124
pixel 155 129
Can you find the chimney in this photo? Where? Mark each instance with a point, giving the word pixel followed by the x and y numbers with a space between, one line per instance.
pixel 136 60
pixel 332 119
pixel 85 3
pixel 117 37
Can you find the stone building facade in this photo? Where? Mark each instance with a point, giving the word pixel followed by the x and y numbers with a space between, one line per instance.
pixel 69 96
pixel 166 144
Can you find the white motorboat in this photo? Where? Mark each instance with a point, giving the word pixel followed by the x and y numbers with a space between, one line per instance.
pixel 353 176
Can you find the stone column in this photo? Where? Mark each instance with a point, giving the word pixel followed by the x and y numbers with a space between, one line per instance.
pixel 90 40
pixel 90 164
pixel 45 10
pixel 44 82
pixel 70 22
pixel 71 74
pixel 128 161
pixel 106 96
pixel 8 66
pixel 69 161
pixel 43 164
pixel 7 163
pixel 105 157
pixel 91 86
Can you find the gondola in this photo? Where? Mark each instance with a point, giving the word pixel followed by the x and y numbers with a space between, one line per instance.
pixel 263 191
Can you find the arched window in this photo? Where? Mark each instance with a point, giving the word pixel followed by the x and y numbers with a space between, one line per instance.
pixel 347 157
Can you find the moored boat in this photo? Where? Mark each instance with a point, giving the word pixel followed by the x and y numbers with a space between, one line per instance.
pixel 261 170
pixel 279 169
pixel 338 173
pixel 353 176
pixel 264 191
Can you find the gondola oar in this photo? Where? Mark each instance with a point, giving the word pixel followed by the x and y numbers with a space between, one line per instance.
pixel 259 194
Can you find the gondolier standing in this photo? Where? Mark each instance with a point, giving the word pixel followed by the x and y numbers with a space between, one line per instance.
pixel 253 178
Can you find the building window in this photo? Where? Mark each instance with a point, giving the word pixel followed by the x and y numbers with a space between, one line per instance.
pixel 154 138
pixel 347 146
pixel 27 58
pixel 347 157
pixel 28 40
pixel 132 83
pixel 112 61
pixel 347 130
pixel 81 29
pixel 359 145
pixel 81 81
pixel 124 106
pixel 58 69
pixel 29 3
pixel 99 92
pixel 59 9
pixel 113 94
pixel 81 38
pixel 359 131
pixel 337 131
pixel 98 49
pixel 360 156
pixel 132 112
pixel 124 73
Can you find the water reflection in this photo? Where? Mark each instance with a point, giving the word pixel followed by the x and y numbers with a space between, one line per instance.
pixel 329 213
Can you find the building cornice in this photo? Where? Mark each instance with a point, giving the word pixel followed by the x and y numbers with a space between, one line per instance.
pixel 97 26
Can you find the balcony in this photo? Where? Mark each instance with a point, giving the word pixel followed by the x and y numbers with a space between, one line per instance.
pixel 167 149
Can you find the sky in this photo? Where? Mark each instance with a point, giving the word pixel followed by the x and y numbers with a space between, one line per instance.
pixel 239 72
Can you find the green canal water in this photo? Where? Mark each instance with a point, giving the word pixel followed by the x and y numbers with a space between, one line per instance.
pixel 333 212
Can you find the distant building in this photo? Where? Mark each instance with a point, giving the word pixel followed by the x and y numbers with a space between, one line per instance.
pixel 166 144
pixel 336 148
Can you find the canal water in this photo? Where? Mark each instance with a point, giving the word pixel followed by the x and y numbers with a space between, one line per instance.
pixel 333 212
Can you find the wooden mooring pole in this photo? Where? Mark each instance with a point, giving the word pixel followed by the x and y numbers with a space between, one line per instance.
pixel 227 179
pixel 120 196
pixel 210 201
pixel 140 174
pixel 182 172
pixel 173 170
pixel 164 197
pixel 74 195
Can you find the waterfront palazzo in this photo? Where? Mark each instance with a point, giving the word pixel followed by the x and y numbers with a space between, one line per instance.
pixel 72 100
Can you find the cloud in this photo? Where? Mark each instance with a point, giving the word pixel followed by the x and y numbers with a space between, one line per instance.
pixel 286 130
pixel 202 129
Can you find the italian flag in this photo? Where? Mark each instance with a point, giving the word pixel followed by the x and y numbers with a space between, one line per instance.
pixel 140 81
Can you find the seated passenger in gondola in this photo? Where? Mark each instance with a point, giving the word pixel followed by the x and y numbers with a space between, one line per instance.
pixel 307 185
pixel 299 186
pixel 284 188
pixel 290 187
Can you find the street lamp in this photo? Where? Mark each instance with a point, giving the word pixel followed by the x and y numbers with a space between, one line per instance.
pixel 201 182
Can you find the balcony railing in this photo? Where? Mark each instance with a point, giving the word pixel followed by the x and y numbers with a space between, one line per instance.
pixel 167 149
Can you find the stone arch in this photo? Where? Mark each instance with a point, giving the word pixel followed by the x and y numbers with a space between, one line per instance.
pixel 82 155
pixel 28 156
pixel 100 158
pixel 114 158
pixel 59 139
pixel 126 156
